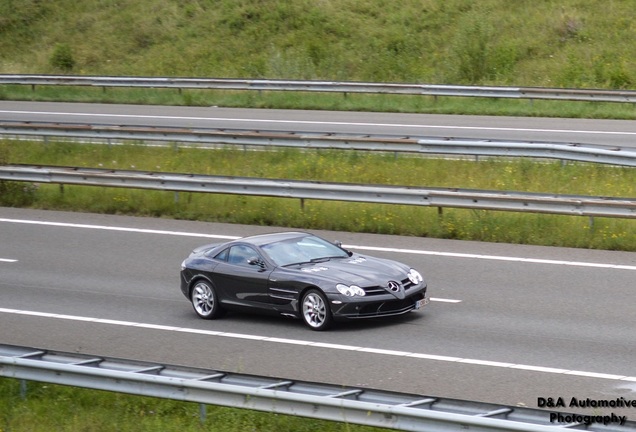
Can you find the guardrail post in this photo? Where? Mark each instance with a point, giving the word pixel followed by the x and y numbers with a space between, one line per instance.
pixel 202 413
pixel 23 389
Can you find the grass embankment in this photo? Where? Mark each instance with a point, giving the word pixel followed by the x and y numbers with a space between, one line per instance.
pixel 550 44
pixel 492 42
pixel 57 408
pixel 345 167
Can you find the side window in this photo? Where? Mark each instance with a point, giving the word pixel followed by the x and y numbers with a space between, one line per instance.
pixel 239 255
pixel 222 256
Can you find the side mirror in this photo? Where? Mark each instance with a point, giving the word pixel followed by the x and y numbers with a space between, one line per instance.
pixel 339 244
pixel 256 261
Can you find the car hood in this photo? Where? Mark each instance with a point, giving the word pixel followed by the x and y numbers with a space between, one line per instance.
pixel 357 270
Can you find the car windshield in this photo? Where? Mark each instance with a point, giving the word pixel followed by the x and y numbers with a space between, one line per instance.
pixel 303 250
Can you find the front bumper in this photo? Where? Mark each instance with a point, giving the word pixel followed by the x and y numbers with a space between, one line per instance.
pixel 377 306
pixel 184 282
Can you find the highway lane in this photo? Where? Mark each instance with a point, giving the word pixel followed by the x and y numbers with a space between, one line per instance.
pixel 605 132
pixel 530 321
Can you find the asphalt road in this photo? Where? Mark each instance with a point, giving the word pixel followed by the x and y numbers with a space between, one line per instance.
pixel 604 132
pixel 507 324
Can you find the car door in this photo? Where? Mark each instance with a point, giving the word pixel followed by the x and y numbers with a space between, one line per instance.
pixel 239 279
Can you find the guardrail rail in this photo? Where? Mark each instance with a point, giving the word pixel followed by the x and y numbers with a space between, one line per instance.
pixel 406 412
pixel 433 197
pixel 587 95
pixel 614 155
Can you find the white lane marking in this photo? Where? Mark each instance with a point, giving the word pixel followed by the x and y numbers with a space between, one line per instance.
pixel 443 300
pixel 407 354
pixel 123 229
pixel 310 122
pixel 497 257
pixel 8 260
pixel 369 248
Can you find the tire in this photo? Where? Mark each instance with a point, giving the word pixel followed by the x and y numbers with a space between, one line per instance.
pixel 205 301
pixel 315 310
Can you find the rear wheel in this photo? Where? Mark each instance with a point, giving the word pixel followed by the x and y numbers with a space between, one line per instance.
pixel 315 310
pixel 205 301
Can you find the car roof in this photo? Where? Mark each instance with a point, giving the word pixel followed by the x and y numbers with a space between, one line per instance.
pixel 263 239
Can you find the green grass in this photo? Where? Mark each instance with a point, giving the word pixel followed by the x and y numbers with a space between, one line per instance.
pixel 564 44
pixel 48 407
pixel 345 167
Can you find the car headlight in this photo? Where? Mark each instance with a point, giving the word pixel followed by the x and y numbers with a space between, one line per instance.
pixel 350 291
pixel 415 276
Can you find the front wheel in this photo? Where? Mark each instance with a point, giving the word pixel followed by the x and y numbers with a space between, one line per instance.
pixel 315 310
pixel 205 302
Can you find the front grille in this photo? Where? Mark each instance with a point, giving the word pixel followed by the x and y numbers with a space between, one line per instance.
pixel 379 290
pixel 376 290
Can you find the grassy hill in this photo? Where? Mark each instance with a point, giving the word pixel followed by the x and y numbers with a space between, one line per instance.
pixel 569 43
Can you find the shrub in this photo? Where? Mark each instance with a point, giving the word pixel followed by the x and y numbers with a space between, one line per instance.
pixel 17 194
pixel 14 194
pixel 62 58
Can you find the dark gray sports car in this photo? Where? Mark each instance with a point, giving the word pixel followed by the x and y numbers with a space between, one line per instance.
pixel 300 275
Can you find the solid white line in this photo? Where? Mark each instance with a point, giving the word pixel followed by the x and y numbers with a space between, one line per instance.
pixel 496 257
pixel 310 122
pixel 122 229
pixel 476 362
pixel 369 248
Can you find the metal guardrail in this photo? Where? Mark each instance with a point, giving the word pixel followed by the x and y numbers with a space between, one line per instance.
pixel 432 197
pixel 406 412
pixel 589 95
pixel 340 141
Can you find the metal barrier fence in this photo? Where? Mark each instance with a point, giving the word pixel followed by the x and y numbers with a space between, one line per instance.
pixel 406 412
pixel 341 141
pixel 432 197
pixel 589 95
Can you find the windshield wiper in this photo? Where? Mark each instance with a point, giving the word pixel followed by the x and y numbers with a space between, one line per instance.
pixel 296 263
pixel 320 260
pixel 315 260
pixel 327 258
